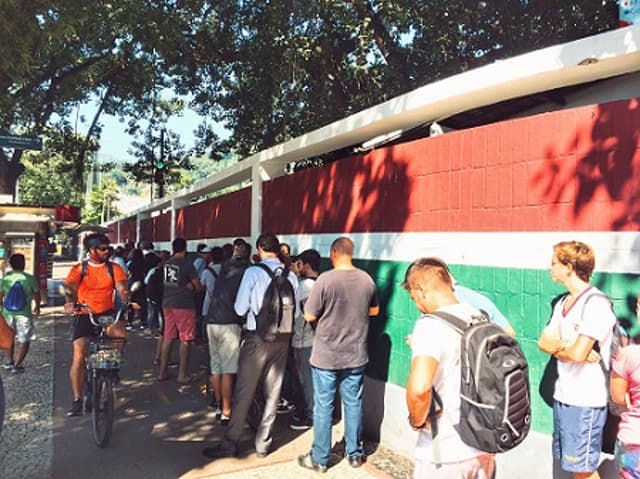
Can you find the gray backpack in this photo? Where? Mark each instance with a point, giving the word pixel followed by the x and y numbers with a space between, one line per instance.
pixel 495 404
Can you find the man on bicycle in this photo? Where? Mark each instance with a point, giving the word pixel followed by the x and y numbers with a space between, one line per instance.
pixel 92 282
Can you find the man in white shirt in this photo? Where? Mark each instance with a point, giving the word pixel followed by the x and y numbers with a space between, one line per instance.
pixel 435 363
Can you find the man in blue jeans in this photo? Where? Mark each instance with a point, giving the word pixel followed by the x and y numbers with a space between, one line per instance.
pixel 339 306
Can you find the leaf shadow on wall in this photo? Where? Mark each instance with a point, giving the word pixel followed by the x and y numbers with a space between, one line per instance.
pixel 362 194
pixel 592 183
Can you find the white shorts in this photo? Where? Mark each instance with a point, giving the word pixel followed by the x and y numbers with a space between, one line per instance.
pixel 224 347
pixel 23 326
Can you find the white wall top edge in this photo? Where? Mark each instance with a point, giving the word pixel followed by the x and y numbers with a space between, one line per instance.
pixel 615 252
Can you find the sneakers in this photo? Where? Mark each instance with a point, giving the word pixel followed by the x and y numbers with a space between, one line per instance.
pixel 8 365
pixel 224 419
pixel 356 461
pixel 307 462
pixel 285 407
pixel 300 423
pixel 17 369
pixel 76 408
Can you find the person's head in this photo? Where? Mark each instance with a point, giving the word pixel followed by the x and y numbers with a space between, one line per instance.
pixel 241 250
pixel 97 244
pixel 17 262
pixel 137 256
pixel 146 245
pixel 227 251
pixel 569 257
pixel 428 282
pixel 201 249
pixel 216 255
pixel 285 249
pixel 341 250
pixel 179 245
pixel 309 262
pixel 267 244
pixel 120 252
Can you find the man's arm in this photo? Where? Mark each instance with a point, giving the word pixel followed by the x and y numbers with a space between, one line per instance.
pixel 243 297
pixel 418 391
pixel 123 291
pixel 37 298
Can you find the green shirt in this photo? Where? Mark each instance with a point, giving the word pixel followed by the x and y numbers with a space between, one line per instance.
pixel 28 285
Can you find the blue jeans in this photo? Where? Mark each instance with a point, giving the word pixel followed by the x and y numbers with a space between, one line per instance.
pixel 306 380
pixel 325 384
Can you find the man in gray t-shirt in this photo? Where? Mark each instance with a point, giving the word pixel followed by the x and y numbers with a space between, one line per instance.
pixel 340 304
pixel 178 306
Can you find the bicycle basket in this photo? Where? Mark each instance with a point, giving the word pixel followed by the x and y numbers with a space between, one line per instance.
pixel 105 359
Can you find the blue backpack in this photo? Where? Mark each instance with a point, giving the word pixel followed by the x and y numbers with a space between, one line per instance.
pixel 15 299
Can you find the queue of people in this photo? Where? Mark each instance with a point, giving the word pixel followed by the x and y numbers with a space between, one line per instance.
pixel 327 344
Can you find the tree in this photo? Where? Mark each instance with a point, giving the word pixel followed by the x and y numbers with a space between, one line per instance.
pixel 270 71
pixel 102 203
pixel 160 154
pixel 50 176
pixel 58 53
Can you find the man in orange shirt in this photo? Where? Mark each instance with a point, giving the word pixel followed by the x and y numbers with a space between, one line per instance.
pixel 92 282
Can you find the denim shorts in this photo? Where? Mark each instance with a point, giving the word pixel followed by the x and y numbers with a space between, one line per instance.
pixel 577 436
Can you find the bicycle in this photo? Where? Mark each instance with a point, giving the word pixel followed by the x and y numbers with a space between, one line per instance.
pixel 104 357
pixel 103 360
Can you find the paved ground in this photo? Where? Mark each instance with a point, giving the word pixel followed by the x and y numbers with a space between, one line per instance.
pixel 160 428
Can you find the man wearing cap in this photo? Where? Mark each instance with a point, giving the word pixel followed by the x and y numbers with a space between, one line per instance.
pixel 92 282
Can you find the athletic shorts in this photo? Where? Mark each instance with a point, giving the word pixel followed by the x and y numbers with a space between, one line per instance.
pixel 23 326
pixel 628 460
pixel 224 347
pixel 179 324
pixel 577 436
pixel 82 327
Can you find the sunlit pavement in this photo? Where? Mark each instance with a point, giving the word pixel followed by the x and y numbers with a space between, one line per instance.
pixel 159 431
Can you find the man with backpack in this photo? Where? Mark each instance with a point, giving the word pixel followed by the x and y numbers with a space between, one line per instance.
pixel 339 306
pixel 224 330
pixel 264 288
pixel 582 321
pixel 92 282
pixel 435 364
pixel 17 292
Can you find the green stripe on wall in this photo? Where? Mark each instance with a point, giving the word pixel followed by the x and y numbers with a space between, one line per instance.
pixel 523 295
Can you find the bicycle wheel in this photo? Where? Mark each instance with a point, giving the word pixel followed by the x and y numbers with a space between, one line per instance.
pixel 102 413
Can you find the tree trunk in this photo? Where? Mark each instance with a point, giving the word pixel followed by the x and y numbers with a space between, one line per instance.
pixel 10 170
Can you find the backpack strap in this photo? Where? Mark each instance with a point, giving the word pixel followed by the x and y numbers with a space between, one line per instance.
pixel 212 271
pixel 456 323
pixel 265 268
pixel 85 265
pixel 436 404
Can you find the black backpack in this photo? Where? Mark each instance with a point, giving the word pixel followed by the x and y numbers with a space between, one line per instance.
pixel 278 305
pixel 495 404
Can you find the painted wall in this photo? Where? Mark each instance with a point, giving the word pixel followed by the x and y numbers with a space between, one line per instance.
pixel 491 201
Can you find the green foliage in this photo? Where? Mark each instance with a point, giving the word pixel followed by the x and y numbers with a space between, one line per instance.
pixel 102 203
pixel 270 71
pixel 53 176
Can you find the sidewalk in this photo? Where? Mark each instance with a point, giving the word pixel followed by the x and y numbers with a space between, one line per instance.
pixel 160 428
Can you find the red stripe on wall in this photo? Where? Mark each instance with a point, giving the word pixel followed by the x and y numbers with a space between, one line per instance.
pixel 577 169
pixel 222 217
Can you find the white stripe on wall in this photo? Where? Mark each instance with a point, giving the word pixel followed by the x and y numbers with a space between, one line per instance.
pixel 616 252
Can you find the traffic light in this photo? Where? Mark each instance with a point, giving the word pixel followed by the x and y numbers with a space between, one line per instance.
pixel 159 164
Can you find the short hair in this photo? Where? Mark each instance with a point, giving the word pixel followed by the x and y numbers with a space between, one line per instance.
pixel 268 242
pixel 577 254
pixel 310 257
pixel 201 247
pixel 179 245
pixel 343 246
pixel 146 244
pixel 434 267
pixel 227 250
pixel 216 254
pixel 95 239
pixel 241 249
pixel 17 262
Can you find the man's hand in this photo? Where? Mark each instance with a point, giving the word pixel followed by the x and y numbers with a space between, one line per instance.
pixel 68 307
pixel 594 357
